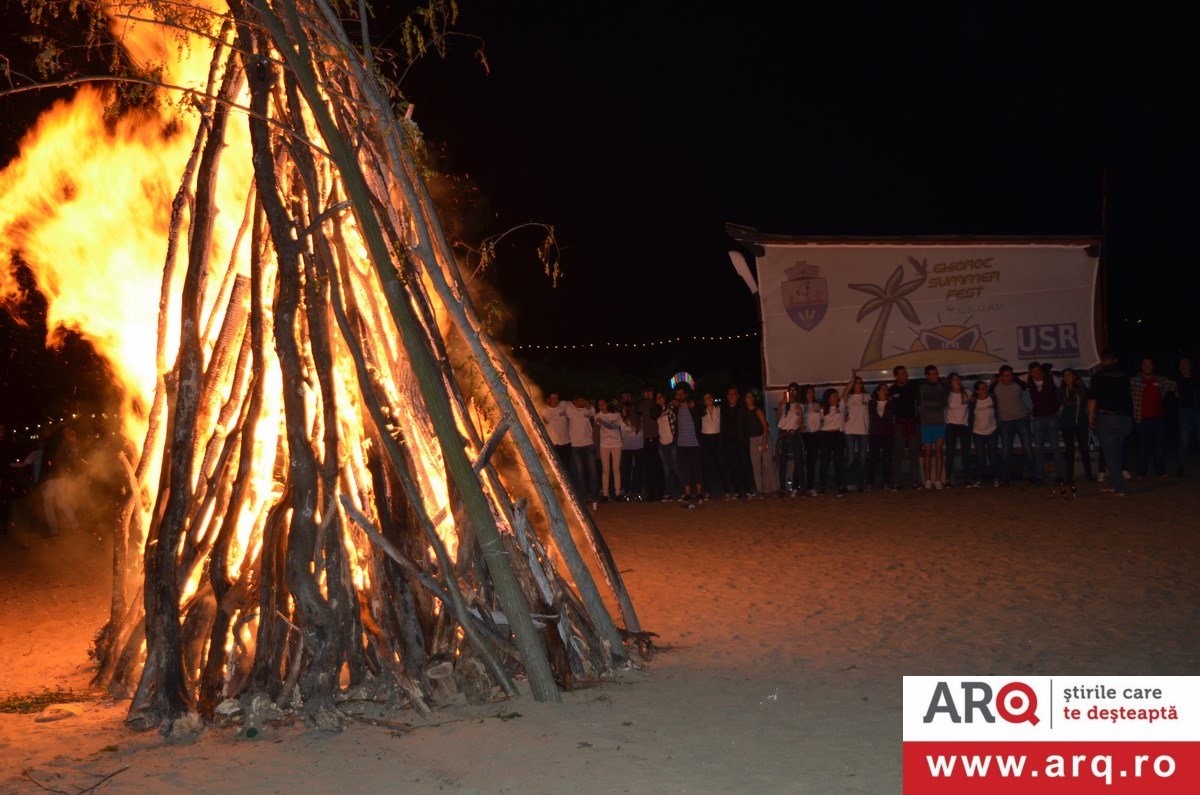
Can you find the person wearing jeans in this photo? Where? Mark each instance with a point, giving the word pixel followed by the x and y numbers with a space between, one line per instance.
pixel 633 452
pixel 1008 392
pixel 858 428
pixel 881 416
pixel 1043 395
pixel 712 452
pixel 958 429
pixel 1073 424
pixel 648 414
pixel 734 442
pixel 831 441
pixel 554 415
pixel 789 414
pixel 1147 390
pixel 1110 414
pixel 810 426
pixel 687 449
pixel 1113 430
pixel 983 424
pixel 672 487
pixel 906 438
pixel 583 452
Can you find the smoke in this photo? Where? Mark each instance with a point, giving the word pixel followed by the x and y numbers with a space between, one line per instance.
pixel 84 501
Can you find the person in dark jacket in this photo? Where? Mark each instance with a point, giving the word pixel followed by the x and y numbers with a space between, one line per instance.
pixel 1043 397
pixel 881 413
pixel 735 440
pixel 1073 424
pixel 688 418
pixel 907 439
pixel 1110 415
pixel 648 414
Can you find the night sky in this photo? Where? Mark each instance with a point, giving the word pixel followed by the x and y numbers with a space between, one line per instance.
pixel 638 130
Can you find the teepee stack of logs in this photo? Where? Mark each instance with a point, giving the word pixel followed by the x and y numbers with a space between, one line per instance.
pixel 344 487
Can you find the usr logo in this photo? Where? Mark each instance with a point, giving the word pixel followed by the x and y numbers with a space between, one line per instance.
pixel 1015 702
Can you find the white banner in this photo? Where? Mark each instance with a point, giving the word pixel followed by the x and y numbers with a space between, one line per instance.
pixel 828 307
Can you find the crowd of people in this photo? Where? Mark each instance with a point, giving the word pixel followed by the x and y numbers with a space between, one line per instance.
pixel 686 447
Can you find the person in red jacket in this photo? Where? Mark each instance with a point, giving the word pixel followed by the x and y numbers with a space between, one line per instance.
pixel 1148 391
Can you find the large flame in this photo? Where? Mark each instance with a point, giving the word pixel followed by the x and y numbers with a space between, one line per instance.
pixel 87 207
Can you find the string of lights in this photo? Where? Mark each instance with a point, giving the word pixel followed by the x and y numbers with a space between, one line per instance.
pixel 651 344
pixel 51 422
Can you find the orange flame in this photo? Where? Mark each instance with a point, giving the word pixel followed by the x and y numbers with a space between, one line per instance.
pixel 87 207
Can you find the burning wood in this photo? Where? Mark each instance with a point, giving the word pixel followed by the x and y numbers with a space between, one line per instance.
pixel 312 506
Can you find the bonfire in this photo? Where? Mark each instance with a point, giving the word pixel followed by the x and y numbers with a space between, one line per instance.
pixel 336 483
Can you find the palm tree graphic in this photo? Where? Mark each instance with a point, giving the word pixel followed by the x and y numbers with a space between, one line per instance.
pixel 891 294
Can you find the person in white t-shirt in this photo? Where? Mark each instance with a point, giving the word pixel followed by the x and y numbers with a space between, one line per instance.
pixel 984 424
pixel 958 431
pixel 712 451
pixel 666 449
pixel 583 451
pixel 810 423
pixel 633 452
pixel 832 442
pixel 554 415
pixel 788 416
pixel 609 423
pixel 858 428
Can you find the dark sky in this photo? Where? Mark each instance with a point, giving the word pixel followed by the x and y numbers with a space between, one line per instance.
pixel 638 129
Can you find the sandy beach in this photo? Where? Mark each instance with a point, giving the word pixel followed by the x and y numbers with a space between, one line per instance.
pixel 785 627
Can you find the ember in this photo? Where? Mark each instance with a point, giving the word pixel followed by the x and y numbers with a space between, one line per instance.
pixel 336 481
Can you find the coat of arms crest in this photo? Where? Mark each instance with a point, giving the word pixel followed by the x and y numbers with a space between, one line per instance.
pixel 805 295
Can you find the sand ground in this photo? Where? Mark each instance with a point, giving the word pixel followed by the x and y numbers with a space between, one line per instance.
pixel 785 628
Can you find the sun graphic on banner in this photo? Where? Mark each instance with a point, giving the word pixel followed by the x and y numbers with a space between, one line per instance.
pixel 943 344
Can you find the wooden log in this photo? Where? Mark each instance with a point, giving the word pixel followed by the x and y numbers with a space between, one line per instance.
pixel 315 618
pixel 406 179
pixel 296 52
pixel 166 696
pixel 431 248
pixel 400 468
pixel 493 441
pixel 213 676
